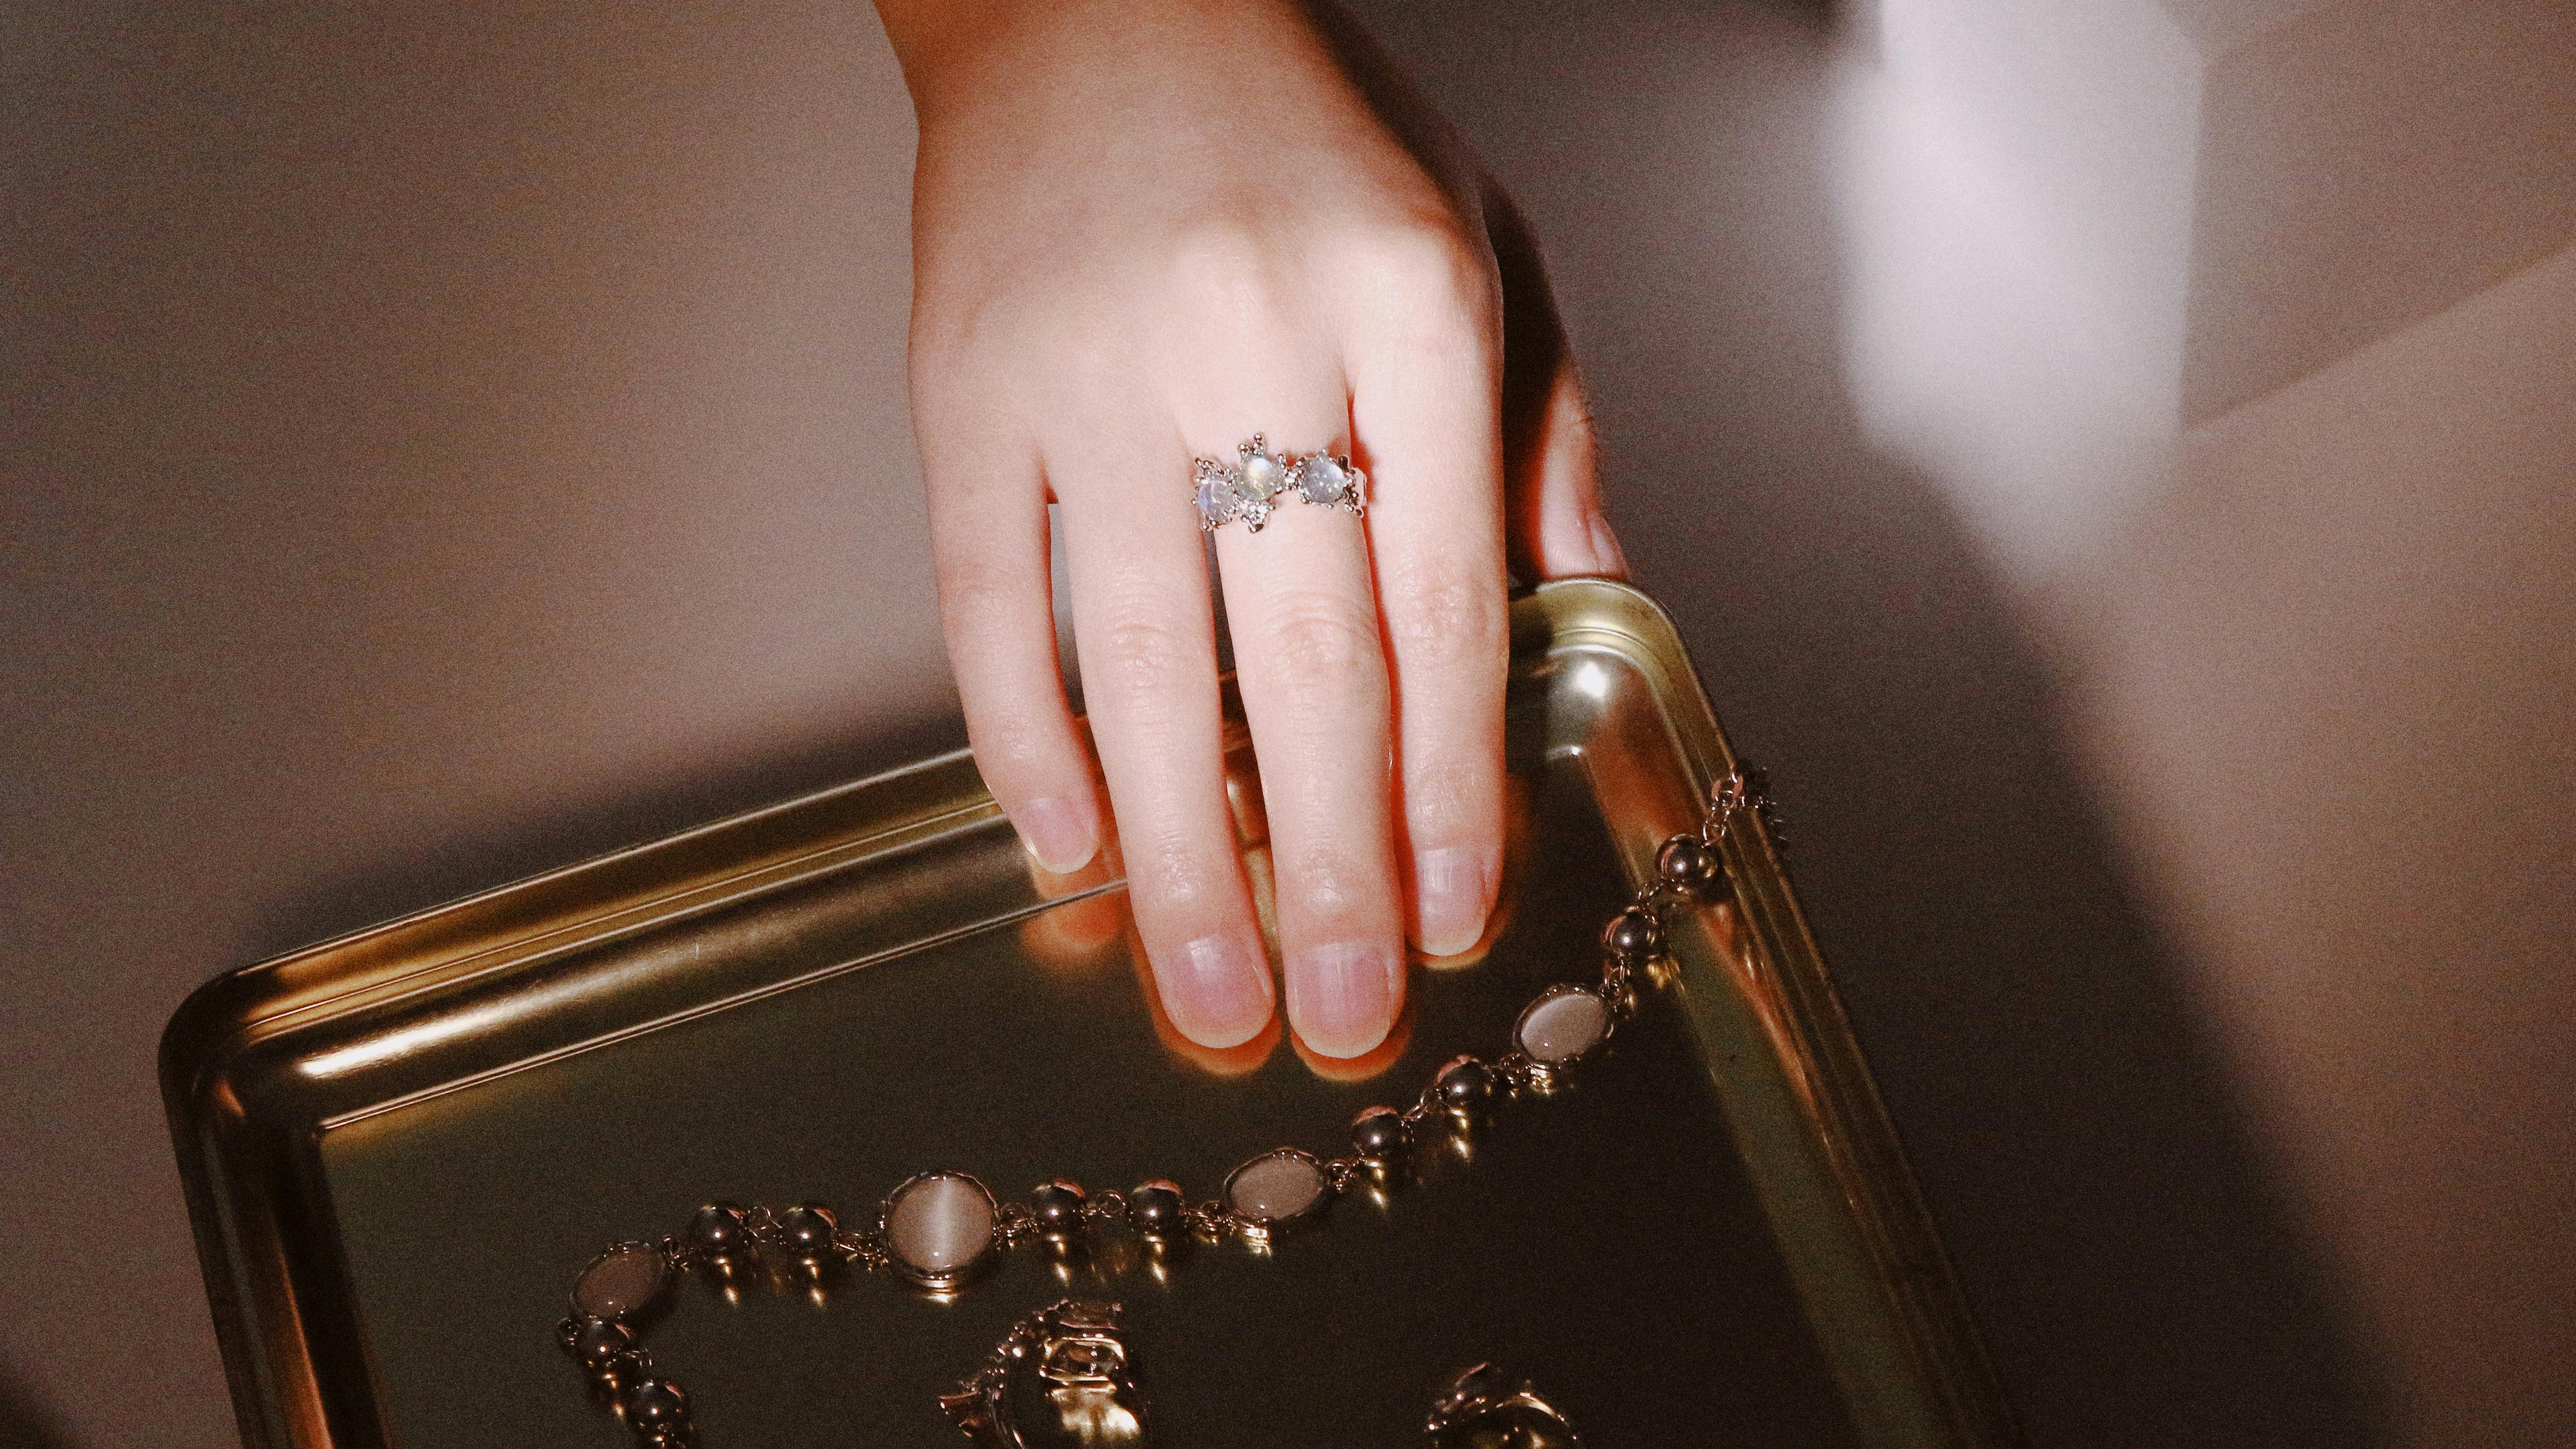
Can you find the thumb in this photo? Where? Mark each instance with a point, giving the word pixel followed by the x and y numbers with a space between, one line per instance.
pixel 1550 460
pixel 1560 504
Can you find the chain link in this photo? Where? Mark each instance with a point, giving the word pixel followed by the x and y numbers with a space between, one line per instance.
pixel 1014 1223
pixel 1208 1219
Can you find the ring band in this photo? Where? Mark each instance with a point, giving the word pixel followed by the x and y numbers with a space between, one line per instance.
pixel 1250 487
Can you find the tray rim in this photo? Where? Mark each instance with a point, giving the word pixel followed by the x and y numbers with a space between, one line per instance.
pixel 246 1119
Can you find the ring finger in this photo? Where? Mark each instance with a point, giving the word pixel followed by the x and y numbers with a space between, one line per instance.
pixel 1301 606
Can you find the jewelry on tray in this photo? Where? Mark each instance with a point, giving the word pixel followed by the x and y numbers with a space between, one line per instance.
pixel 1073 1358
pixel 938 1230
pixel 1485 1407
pixel 1079 1352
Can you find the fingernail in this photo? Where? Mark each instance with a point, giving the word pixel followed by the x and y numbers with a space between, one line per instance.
pixel 1452 893
pixel 1605 546
pixel 1061 832
pixel 1217 992
pixel 1342 997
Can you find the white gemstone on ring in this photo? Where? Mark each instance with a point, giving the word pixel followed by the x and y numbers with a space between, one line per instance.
pixel 1216 498
pixel 1263 474
pixel 1322 480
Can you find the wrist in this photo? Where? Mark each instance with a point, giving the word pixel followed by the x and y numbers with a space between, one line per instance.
pixel 953 48
pixel 935 39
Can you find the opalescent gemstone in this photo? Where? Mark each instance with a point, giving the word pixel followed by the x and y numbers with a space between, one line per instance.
pixel 1263 474
pixel 1322 480
pixel 939 1224
pixel 621 1281
pixel 1216 497
pixel 1562 1025
pixel 1276 1186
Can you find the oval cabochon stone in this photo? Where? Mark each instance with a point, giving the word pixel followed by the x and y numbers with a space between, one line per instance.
pixel 1563 1025
pixel 1276 1186
pixel 621 1281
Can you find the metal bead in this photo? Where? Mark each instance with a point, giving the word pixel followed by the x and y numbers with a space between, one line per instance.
pixel 717 1231
pixel 1057 1206
pixel 1464 1084
pixel 1155 1208
pixel 1633 933
pixel 807 1230
pixel 599 1343
pixel 1379 1134
pixel 1687 864
pixel 657 1404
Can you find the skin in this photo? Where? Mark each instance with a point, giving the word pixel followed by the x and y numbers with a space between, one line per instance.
pixel 1145 230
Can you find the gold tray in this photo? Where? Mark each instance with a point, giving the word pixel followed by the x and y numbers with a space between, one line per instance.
pixel 401 1146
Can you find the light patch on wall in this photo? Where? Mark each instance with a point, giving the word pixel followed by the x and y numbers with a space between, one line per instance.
pixel 2014 191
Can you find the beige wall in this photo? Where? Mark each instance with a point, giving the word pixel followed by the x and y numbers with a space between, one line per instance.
pixel 2442 131
pixel 442 446
pixel 442 442
pixel 2316 614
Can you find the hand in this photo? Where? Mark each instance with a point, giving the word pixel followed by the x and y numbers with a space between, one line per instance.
pixel 1146 231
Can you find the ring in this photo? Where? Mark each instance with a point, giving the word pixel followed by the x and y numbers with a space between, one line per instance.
pixel 1080 1354
pixel 1250 487
pixel 1487 1405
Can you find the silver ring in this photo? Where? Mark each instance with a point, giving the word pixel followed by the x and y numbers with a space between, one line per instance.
pixel 1488 1405
pixel 1080 1352
pixel 1251 487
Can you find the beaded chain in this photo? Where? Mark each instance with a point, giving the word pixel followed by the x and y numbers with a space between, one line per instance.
pixel 937 1230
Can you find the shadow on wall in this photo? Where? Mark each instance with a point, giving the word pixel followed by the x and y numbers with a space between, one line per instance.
pixel 23 1424
pixel 2134 1269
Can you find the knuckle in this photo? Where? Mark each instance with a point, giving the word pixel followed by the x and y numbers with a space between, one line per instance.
pixel 1168 871
pixel 1326 878
pixel 1008 743
pixel 1222 268
pixel 1447 616
pixel 978 599
pixel 1092 361
pixel 1450 800
pixel 1318 640
pixel 1143 660
pixel 951 334
pixel 1431 272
